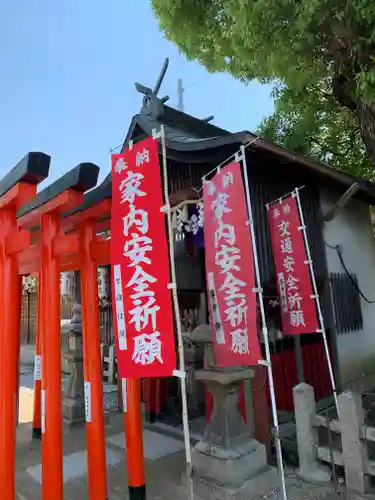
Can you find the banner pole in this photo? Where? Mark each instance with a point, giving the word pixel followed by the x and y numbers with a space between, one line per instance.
pixel 317 300
pixel 181 373
pixel 286 195
pixel 279 454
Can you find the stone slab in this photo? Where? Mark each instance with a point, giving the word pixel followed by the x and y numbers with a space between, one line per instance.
pixel 155 445
pixel 75 465
pixel 224 377
pixel 261 484
pixel 195 437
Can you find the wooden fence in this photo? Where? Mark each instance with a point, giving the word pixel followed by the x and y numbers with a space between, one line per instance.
pixel 29 318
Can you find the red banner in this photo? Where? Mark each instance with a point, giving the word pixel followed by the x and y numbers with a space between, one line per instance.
pixel 297 305
pixel 230 269
pixel 142 305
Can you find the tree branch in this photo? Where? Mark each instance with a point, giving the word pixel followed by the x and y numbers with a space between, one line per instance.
pixel 326 148
pixel 341 94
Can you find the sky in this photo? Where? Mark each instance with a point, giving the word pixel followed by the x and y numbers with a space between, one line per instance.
pixel 67 80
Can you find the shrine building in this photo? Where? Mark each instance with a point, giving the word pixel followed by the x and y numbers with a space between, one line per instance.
pixel 336 208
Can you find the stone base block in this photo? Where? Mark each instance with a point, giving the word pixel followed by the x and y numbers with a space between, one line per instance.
pixel 261 484
pixel 27 355
pixel 70 424
pixel 73 410
pixel 315 474
pixel 229 467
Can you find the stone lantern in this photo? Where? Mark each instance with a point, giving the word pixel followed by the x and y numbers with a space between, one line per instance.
pixel 228 460
pixel 73 404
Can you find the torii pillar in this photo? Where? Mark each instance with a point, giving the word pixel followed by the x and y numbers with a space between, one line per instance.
pixel 93 251
pixel 18 188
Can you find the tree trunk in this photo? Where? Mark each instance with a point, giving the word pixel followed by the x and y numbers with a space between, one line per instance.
pixel 366 120
pixel 365 112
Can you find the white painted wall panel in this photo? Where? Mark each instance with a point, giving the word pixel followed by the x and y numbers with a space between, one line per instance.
pixel 352 229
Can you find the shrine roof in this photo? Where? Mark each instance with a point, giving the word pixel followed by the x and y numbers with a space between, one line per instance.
pixel 193 140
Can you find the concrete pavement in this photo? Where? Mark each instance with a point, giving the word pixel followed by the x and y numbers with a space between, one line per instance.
pixel 164 458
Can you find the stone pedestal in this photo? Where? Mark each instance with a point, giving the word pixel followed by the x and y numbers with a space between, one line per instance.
pixel 73 404
pixel 310 469
pixel 228 462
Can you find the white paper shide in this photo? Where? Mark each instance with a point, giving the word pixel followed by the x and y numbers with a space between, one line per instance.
pixel 38 367
pixel 43 410
pixel 119 304
pixel 87 390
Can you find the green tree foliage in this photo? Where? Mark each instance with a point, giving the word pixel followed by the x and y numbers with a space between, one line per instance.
pixel 301 43
pixel 312 123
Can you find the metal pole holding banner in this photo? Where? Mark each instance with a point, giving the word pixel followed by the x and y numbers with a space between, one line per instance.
pixel 181 373
pixel 316 297
pixel 242 157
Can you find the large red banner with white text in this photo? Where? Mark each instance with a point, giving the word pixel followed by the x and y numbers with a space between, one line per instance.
pixel 230 269
pixel 142 305
pixel 297 304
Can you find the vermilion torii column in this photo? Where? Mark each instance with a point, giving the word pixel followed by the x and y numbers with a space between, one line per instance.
pixel 45 212
pixel 17 188
pixel 93 250
pixel 37 421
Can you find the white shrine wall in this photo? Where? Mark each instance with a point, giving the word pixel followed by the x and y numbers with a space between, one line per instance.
pixel 352 230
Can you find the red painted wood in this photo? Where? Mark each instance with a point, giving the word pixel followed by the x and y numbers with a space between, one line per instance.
pixel 285 378
pixel 279 381
pixel 285 374
pixel 209 404
pixel 262 417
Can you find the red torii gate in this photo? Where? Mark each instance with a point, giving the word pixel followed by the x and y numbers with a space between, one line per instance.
pixel 47 233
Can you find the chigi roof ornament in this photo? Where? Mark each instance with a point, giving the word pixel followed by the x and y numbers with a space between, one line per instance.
pixel 151 103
